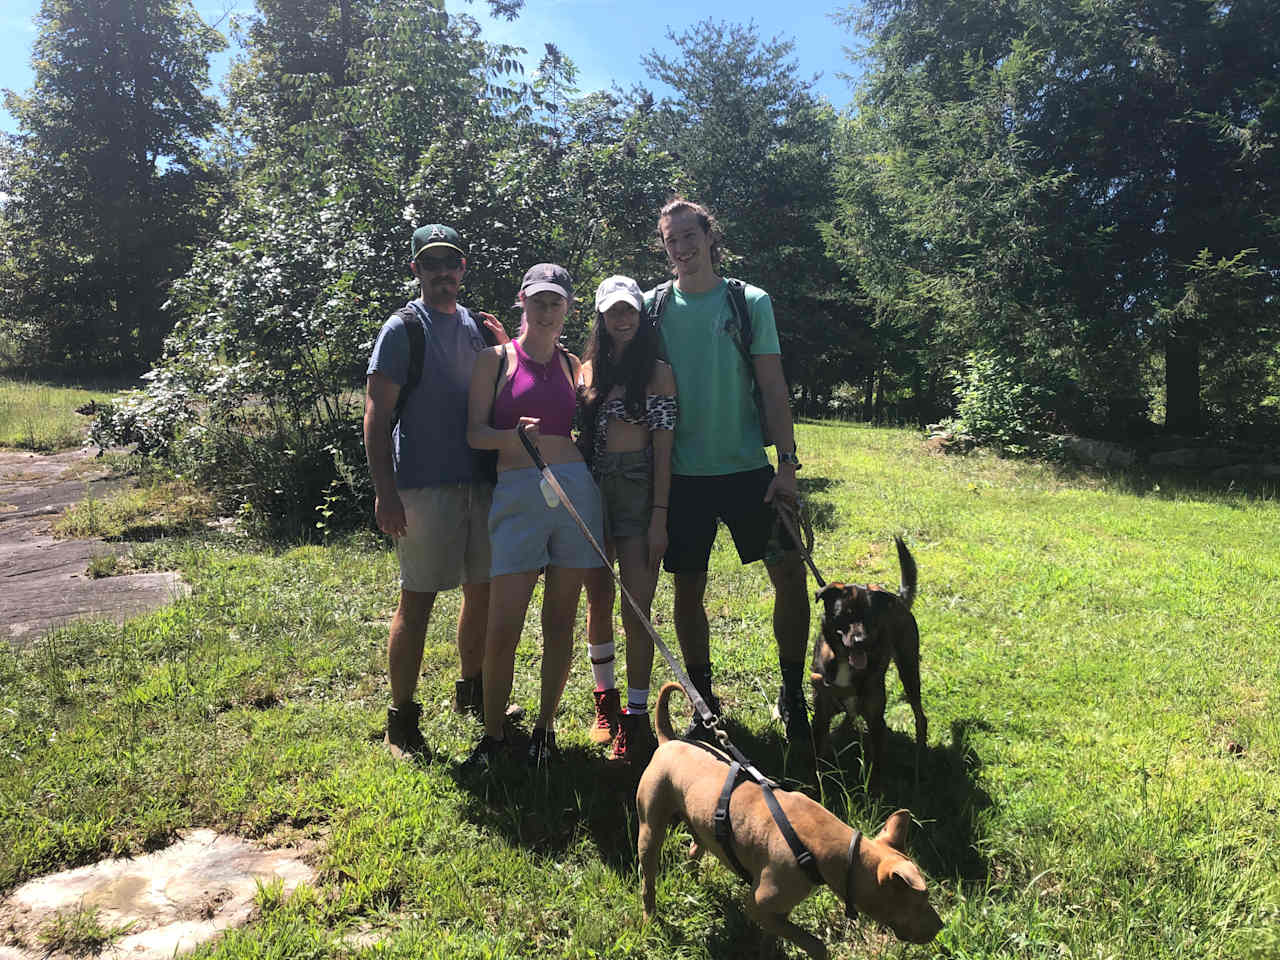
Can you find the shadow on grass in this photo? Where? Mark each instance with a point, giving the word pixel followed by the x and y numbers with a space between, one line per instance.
pixel 944 796
pixel 820 510
pixel 548 809
pixel 1167 483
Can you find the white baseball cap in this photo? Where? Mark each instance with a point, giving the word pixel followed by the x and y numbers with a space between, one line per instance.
pixel 616 289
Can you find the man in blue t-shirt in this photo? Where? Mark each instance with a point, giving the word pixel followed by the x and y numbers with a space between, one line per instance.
pixel 719 469
pixel 428 495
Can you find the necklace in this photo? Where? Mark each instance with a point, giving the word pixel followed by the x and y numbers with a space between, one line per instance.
pixel 542 369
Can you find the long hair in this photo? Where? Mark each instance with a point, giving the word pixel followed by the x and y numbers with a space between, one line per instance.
pixel 633 370
pixel 706 219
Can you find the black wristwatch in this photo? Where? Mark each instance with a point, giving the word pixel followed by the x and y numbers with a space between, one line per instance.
pixel 791 458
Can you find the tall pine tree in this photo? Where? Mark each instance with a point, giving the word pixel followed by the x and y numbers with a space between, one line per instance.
pixel 107 189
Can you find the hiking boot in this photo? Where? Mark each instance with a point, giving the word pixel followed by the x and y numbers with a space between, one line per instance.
pixel 608 707
pixel 542 748
pixel 487 755
pixel 468 696
pixel 698 730
pixel 635 742
pixel 794 714
pixel 404 739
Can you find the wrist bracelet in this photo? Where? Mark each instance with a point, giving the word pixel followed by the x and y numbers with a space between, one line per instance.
pixel 660 506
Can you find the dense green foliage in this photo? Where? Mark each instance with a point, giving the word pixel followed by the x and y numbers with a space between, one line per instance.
pixel 1086 189
pixel 107 190
pixel 260 383
pixel 1038 219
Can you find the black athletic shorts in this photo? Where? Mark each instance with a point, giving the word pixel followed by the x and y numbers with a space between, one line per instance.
pixel 699 503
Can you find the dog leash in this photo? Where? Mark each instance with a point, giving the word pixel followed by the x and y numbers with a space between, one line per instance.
pixel 739 762
pixel 708 717
pixel 788 510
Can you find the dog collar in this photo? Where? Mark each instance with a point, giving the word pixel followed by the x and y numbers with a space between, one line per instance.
pixel 851 908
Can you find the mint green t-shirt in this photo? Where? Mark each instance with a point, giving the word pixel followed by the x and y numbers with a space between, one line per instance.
pixel 719 429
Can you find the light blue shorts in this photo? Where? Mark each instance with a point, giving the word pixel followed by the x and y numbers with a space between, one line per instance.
pixel 525 534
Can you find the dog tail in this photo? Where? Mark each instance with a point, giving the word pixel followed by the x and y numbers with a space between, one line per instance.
pixel 662 713
pixel 906 592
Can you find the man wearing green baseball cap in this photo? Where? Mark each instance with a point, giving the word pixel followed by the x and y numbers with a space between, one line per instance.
pixel 431 496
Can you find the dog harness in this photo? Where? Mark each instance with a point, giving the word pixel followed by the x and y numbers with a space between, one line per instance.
pixel 740 769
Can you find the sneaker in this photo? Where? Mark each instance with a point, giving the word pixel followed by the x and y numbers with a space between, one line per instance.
pixel 635 742
pixel 608 707
pixel 542 748
pixel 794 714
pixel 485 755
pixel 468 696
pixel 404 739
pixel 698 730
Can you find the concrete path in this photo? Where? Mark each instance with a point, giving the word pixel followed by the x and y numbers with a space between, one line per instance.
pixel 42 581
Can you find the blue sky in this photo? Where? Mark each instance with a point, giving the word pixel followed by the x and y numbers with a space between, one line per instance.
pixel 604 38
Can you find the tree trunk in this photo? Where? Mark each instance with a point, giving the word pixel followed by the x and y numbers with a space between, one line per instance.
pixel 1182 384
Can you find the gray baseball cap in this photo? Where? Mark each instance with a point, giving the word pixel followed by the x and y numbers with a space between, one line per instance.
pixel 618 288
pixel 547 276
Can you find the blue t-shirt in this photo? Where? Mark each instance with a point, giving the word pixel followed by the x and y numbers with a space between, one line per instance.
pixel 429 444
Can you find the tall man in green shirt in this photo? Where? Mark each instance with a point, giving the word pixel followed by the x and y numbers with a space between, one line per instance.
pixel 719 467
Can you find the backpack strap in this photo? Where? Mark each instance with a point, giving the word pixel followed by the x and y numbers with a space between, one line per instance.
pixel 659 302
pixel 742 318
pixel 738 303
pixel 417 356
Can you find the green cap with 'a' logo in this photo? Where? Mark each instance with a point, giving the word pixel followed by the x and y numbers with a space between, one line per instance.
pixel 436 235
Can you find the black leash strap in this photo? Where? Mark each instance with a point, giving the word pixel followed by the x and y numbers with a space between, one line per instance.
pixel 690 691
pixel 798 850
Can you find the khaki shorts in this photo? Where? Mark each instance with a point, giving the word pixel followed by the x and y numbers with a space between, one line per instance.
pixel 446 541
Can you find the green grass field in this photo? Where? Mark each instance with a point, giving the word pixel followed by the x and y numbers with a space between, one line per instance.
pixel 38 415
pixel 1101 671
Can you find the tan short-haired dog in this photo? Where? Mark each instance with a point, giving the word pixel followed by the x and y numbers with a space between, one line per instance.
pixel 684 781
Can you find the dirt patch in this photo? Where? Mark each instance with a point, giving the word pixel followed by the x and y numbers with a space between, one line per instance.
pixel 157 905
pixel 43 582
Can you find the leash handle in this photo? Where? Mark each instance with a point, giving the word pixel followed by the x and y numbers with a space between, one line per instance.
pixel 522 432
pixel 795 538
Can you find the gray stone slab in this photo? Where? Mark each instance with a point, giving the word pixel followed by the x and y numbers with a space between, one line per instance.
pixel 170 901
pixel 43 581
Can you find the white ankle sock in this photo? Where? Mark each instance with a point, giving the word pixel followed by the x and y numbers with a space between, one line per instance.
pixel 602 665
pixel 637 700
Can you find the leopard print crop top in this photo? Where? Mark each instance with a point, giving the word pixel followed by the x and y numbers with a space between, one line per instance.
pixel 660 413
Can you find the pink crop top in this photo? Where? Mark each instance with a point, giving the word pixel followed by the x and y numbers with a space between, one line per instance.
pixel 536 390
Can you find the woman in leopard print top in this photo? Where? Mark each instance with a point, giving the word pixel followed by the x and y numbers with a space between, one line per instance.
pixel 627 417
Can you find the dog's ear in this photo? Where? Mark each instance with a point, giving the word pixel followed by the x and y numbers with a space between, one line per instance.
pixel 908 873
pixel 829 594
pixel 895 830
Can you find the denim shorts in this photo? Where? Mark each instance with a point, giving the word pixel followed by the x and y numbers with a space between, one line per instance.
pixel 525 534
pixel 626 487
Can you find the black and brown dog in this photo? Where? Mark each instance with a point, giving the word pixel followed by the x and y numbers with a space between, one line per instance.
pixel 863 628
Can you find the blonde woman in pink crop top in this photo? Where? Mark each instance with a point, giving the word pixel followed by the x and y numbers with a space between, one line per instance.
pixel 531 382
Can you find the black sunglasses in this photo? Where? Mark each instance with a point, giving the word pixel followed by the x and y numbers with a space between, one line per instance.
pixel 450 262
